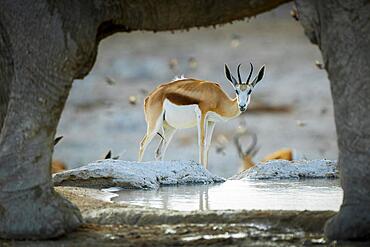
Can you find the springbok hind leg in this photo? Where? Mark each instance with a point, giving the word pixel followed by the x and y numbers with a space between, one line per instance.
pixel 144 144
pixel 160 146
pixel 168 132
pixel 150 133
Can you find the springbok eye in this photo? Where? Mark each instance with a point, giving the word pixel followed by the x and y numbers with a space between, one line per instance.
pixel 250 91
pixel 237 92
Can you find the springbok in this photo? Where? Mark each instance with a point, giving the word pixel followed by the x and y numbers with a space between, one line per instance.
pixel 248 155
pixel 57 165
pixel 185 103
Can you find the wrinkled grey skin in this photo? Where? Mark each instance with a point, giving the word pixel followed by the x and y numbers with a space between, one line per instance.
pixel 341 29
pixel 44 45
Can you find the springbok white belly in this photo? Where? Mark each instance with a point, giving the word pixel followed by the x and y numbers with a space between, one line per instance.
pixel 185 116
pixel 180 117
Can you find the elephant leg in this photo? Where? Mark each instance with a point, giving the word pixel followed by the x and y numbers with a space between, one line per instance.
pixel 6 74
pixel 352 108
pixel 341 29
pixel 46 54
pixel 29 206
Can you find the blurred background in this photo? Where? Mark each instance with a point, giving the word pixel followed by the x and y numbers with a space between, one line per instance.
pixel 290 108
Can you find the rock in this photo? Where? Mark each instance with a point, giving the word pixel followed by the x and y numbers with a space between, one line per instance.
pixel 135 175
pixel 284 169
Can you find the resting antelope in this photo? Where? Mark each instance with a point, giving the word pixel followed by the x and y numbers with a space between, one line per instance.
pixel 247 155
pixel 185 103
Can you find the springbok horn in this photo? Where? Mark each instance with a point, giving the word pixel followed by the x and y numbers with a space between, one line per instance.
pixel 108 155
pixel 238 146
pixel 240 79
pixel 253 144
pixel 250 74
pixel 56 140
pixel 229 76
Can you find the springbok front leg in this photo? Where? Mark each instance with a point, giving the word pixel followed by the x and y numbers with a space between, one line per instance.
pixel 201 134
pixel 167 134
pixel 210 126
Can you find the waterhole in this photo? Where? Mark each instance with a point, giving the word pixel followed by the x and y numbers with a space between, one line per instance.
pixel 310 194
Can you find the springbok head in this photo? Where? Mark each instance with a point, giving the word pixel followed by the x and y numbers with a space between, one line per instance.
pixel 243 89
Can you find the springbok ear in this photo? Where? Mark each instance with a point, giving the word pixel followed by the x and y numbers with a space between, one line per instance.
pixel 230 77
pixel 259 77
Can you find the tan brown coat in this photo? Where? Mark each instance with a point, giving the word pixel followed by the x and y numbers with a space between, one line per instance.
pixel 208 96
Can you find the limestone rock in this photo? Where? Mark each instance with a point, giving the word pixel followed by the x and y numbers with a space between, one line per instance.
pixel 284 169
pixel 135 175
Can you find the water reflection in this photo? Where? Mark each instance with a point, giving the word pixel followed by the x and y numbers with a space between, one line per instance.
pixel 313 194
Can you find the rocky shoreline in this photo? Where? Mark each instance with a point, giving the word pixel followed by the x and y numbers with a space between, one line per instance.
pixel 135 175
pixel 151 175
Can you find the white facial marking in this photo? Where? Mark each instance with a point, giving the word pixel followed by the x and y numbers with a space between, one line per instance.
pixel 243 93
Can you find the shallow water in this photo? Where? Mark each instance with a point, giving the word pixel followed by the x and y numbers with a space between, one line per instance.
pixel 310 194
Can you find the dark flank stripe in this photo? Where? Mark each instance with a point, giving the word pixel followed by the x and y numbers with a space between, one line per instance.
pixel 180 99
